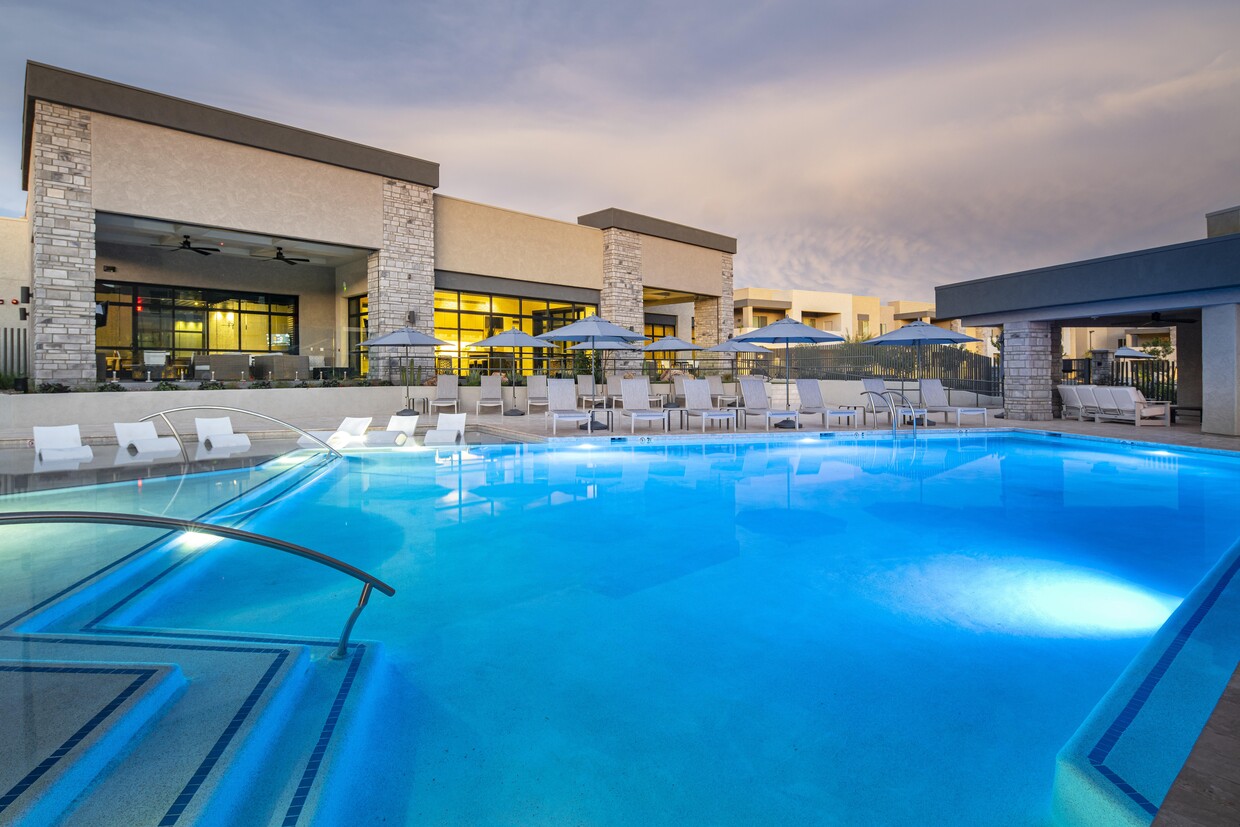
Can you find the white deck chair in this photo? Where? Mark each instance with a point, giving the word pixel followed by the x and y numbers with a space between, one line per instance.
pixel 399 430
pixel 587 392
pixel 812 404
pixel 352 431
pixel 873 404
pixel 1105 401
pixel 60 444
pixel 718 395
pixel 1088 399
pixel 142 438
pixel 753 392
pixel 934 400
pixel 536 393
pixel 1071 402
pixel 446 392
pixel 636 394
pixel 1130 408
pixel 562 404
pixel 449 430
pixel 216 435
pixel 699 403
pixel 491 395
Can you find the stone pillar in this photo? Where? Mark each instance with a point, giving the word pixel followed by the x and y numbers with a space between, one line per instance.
pixel 712 316
pixel 1101 362
pixel 1220 368
pixel 400 277
pixel 62 222
pixel 1029 371
pixel 621 301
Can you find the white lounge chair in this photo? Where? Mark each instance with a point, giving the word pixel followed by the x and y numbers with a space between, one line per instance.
pixel 1090 404
pixel 699 403
pixel 753 392
pixel 491 394
pixel 562 404
pixel 536 393
pixel 812 404
pixel 636 394
pixel 587 392
pixel 216 435
pixel 934 400
pixel 446 392
pixel 1071 402
pixel 142 438
pixel 1130 407
pixel 449 430
pixel 352 431
pixel 60 444
pixel 399 430
pixel 718 395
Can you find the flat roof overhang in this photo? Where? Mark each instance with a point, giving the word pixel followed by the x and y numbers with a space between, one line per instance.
pixel 1188 275
pixel 764 304
pixel 55 85
pixel 645 225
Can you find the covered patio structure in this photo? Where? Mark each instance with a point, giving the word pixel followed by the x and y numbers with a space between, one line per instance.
pixel 1192 288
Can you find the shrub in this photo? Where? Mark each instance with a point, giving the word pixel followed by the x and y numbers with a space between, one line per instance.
pixel 261 384
pixel 54 387
pixel 112 387
pixel 6 381
pixel 302 384
pixel 167 386
pixel 330 383
pixel 210 385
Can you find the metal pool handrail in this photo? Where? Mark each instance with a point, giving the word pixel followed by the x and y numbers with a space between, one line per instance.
pixel 184 453
pixel 908 406
pixel 369 581
pixel 890 406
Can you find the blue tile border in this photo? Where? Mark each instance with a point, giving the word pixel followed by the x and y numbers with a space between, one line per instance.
pixel 141 676
pixel 1102 750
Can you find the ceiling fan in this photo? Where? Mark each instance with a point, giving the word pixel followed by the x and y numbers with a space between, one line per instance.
pixel 186 244
pixel 1158 320
pixel 279 256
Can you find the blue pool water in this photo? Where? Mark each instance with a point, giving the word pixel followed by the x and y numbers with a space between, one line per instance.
pixel 792 632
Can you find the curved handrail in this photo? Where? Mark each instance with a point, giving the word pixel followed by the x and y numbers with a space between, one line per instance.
pixel 890 406
pixel 908 407
pixel 181 442
pixel 369 581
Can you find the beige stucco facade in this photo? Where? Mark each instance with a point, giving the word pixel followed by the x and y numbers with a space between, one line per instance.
pixel 673 265
pixel 14 265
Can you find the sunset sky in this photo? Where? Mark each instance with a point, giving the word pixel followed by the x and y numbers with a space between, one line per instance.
pixel 870 147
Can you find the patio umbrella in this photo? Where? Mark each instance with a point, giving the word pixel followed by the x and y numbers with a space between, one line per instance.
pixel 406 337
pixel 670 344
pixel 735 348
pixel 1126 352
pixel 591 329
pixel 515 339
pixel 916 334
pixel 789 332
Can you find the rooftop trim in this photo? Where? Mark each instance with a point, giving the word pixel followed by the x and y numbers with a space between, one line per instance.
pixel 657 227
pixel 55 85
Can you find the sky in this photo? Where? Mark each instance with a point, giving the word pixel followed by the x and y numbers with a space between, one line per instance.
pixel 862 146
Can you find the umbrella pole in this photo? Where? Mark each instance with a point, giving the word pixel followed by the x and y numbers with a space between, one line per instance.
pixel 514 410
pixel 788 424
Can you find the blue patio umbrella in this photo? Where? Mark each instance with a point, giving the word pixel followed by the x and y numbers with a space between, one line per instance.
pixel 592 329
pixel 789 332
pixel 515 339
pixel 735 348
pixel 916 334
pixel 405 337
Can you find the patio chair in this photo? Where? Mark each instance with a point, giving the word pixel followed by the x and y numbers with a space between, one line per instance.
pixel 491 394
pixel 216 435
pixel 142 438
pixel 1087 394
pixel 871 391
pixel 399 430
pixel 60 444
pixel 587 392
pixel 352 431
pixel 678 388
pixel 753 392
pixel 446 392
pixel 1071 402
pixel 718 395
pixel 536 393
pixel 934 400
pixel 154 362
pixel 812 404
pixel 613 392
pixel 698 403
pixel 449 430
pixel 1130 408
pixel 562 404
pixel 636 394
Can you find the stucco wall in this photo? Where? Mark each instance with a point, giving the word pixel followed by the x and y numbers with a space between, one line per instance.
pixel 150 171
pixel 313 285
pixel 14 266
pixel 489 241
pixel 672 265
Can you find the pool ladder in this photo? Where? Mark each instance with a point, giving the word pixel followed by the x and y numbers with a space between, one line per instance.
pixel 185 454
pixel 369 581
pixel 897 411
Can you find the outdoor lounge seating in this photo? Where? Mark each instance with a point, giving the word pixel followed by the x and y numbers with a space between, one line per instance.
pixel 1128 405
pixel 399 430
pixel 753 392
pixel 449 430
pixel 491 394
pixel 216 435
pixel 446 393
pixel 587 392
pixel 698 403
pixel 352 431
pixel 812 404
pixel 229 367
pixel 637 404
pixel 718 394
pixel 142 438
pixel 934 400
pixel 562 404
pixel 536 393
pixel 60 444
pixel 1071 401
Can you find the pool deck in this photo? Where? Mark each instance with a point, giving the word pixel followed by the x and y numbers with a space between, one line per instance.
pixel 1207 790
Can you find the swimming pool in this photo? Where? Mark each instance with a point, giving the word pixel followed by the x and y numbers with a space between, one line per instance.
pixel 811 631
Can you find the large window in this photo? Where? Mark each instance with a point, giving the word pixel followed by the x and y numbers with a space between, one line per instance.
pixel 359 327
pixel 187 321
pixel 464 318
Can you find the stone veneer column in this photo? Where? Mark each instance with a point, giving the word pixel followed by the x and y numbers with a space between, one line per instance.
pixel 400 277
pixel 62 221
pixel 1029 370
pixel 621 301
pixel 712 316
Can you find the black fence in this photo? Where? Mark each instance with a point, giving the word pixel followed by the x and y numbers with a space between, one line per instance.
pixel 958 368
pixel 1155 378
